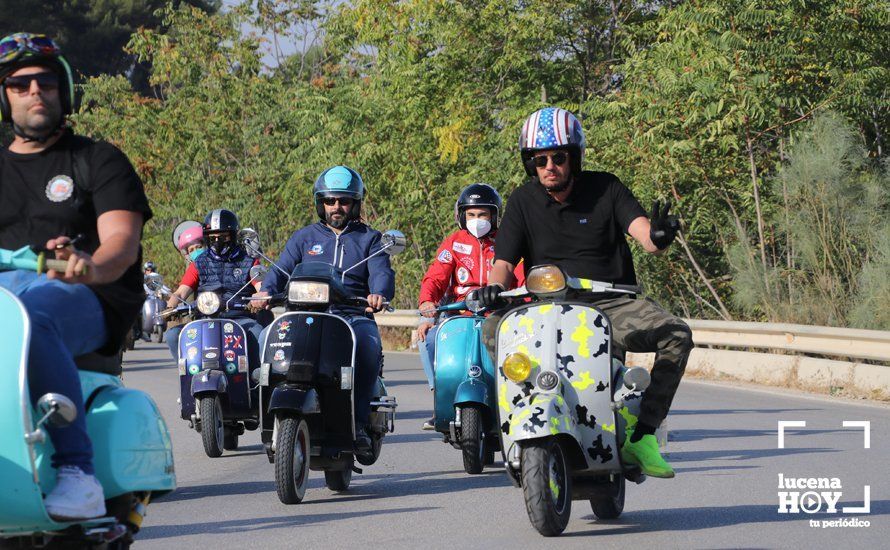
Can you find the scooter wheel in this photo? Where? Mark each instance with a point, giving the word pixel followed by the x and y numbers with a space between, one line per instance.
pixel 338 480
pixel 547 486
pixel 292 459
pixel 610 506
pixel 212 428
pixel 472 439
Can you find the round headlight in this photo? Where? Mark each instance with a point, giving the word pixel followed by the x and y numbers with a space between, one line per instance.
pixel 208 303
pixel 517 367
pixel 544 279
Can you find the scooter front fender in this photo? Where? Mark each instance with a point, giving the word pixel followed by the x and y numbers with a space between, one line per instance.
pixel 292 398
pixel 209 381
pixel 472 391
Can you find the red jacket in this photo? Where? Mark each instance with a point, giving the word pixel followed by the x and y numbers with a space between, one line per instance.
pixel 463 263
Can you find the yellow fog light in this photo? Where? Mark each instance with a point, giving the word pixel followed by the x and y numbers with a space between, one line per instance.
pixel 517 367
pixel 545 279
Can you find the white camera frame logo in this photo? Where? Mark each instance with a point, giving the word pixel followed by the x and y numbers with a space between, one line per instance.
pixel 810 502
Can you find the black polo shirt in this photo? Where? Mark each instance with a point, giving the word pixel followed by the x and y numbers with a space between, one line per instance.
pixel 584 235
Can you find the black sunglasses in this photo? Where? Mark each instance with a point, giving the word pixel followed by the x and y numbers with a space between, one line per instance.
pixel 558 159
pixel 22 83
pixel 331 201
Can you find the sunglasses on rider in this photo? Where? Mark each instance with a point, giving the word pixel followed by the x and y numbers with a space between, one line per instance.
pixel 14 46
pixel 558 159
pixel 219 238
pixel 331 201
pixel 22 84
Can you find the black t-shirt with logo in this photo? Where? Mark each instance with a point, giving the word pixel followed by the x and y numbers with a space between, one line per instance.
pixel 39 200
pixel 584 235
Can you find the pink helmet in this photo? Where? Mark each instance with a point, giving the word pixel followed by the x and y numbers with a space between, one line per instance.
pixel 192 235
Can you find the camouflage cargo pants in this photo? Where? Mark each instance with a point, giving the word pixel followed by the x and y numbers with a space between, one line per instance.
pixel 639 326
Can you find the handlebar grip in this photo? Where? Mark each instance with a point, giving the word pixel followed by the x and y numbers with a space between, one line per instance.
pixel 636 289
pixel 60 265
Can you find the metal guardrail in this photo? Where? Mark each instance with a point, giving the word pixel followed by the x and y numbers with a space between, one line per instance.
pixel 841 342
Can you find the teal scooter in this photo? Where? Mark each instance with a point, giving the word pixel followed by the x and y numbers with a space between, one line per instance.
pixel 464 379
pixel 133 455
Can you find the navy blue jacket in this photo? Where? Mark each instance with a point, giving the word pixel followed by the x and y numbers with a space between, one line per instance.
pixel 318 243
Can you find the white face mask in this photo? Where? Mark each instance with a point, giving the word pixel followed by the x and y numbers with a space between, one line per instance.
pixel 478 227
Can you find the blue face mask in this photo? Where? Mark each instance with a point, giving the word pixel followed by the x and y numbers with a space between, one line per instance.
pixel 195 253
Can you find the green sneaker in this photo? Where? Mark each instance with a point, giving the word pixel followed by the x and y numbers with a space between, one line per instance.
pixel 644 453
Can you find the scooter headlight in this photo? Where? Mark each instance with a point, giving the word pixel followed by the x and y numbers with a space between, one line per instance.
pixel 517 367
pixel 208 303
pixel 545 279
pixel 308 292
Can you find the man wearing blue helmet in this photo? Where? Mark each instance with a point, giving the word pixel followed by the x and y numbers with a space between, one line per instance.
pixel 342 240
pixel 578 220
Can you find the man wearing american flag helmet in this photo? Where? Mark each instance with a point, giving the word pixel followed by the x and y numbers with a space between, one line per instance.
pixel 578 220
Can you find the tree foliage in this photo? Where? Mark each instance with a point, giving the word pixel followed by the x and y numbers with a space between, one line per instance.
pixel 697 102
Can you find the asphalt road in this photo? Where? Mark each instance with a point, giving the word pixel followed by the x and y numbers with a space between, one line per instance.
pixel 723 445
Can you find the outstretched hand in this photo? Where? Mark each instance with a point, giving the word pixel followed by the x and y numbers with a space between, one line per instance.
pixel 664 227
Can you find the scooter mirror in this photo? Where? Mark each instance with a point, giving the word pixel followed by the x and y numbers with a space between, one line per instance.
pixel 59 409
pixel 637 379
pixel 258 272
pixel 180 229
pixel 250 240
pixel 154 281
pixel 394 242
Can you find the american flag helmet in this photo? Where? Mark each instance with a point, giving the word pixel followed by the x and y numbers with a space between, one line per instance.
pixel 551 128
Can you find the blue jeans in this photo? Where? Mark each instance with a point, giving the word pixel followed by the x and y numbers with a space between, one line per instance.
pixel 368 357
pixel 427 348
pixel 251 327
pixel 66 321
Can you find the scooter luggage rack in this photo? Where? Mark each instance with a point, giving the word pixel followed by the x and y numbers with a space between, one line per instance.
pixel 387 403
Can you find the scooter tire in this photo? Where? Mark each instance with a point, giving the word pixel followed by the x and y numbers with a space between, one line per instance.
pixel 292 459
pixel 608 506
pixel 230 439
pixel 212 428
pixel 338 480
pixel 472 439
pixel 546 486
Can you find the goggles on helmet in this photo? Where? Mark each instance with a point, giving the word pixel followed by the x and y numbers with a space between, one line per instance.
pixel 14 46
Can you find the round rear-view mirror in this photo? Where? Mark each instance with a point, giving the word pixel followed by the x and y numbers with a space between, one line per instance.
pixel 250 240
pixel 394 242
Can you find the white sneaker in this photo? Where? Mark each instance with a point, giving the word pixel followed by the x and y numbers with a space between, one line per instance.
pixel 77 496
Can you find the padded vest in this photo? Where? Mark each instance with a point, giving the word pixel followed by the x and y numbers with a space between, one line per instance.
pixel 228 276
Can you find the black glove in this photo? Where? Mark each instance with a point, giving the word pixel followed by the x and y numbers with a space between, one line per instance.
pixel 664 228
pixel 488 296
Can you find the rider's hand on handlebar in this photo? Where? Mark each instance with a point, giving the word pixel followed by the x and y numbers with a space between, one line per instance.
pixel 488 296
pixel 80 269
pixel 428 309
pixel 664 228
pixel 259 305
pixel 376 302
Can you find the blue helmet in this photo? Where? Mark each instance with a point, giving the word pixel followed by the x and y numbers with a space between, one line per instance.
pixel 551 128
pixel 339 181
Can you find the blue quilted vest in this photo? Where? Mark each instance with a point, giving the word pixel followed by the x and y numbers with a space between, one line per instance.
pixel 227 276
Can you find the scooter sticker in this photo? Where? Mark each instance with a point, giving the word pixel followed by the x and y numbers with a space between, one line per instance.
pixel 242 363
pixel 279 355
pixel 193 369
pixel 192 352
pixel 233 342
pixel 309 320
pixel 231 368
pixel 210 355
pixel 283 329
pixel 211 325
pixel 192 334
pixel 229 355
pixel 228 327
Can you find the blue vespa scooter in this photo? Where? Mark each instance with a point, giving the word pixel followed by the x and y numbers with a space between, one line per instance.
pixel 133 455
pixel 464 380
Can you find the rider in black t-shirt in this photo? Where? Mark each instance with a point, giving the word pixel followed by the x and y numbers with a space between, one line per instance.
pixel 83 200
pixel 578 221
